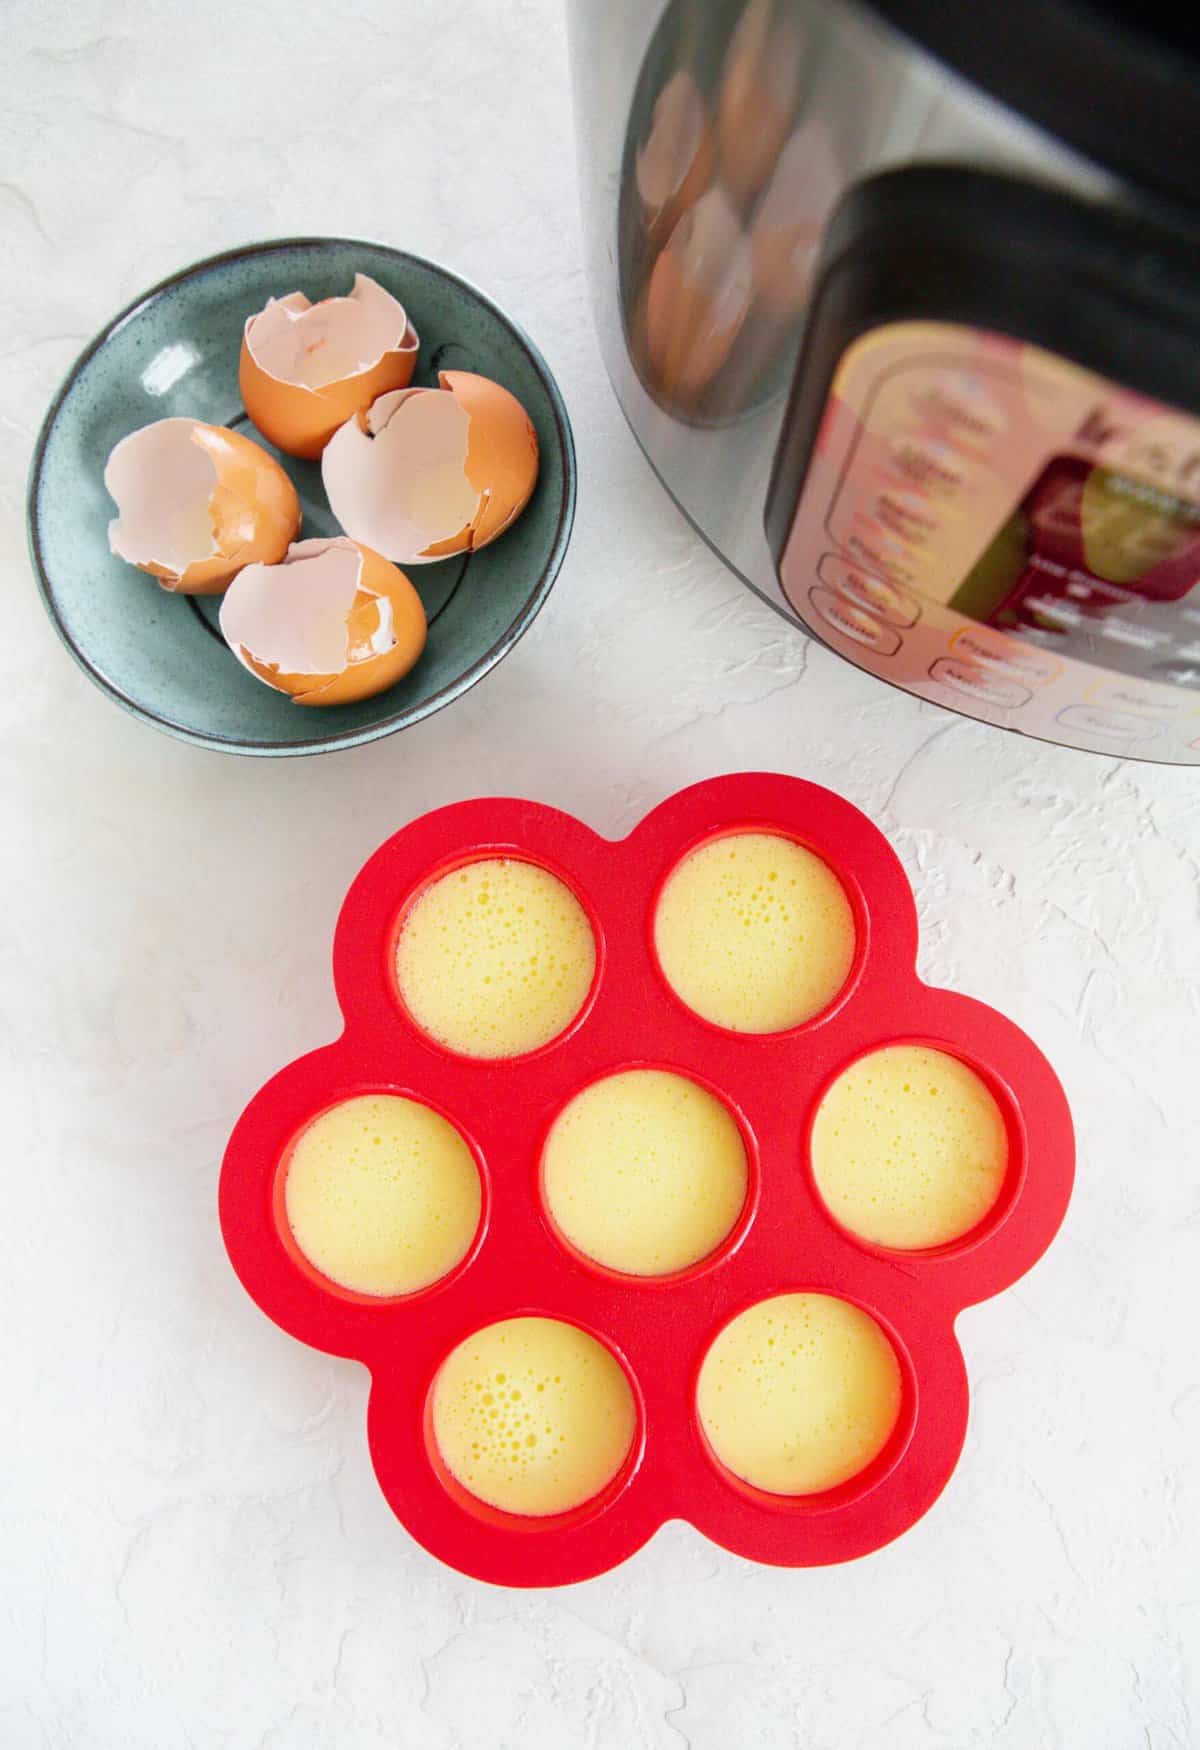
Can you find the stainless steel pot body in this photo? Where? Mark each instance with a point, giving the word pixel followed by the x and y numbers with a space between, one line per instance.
pixel 724 150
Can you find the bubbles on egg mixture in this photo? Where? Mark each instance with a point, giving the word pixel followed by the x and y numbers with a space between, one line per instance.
pixel 799 1393
pixel 382 1195
pixel 532 1416
pixel 909 1148
pixel 754 932
pixel 496 958
pixel 645 1171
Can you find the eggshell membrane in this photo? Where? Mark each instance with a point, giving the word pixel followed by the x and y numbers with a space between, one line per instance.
pixel 289 339
pixel 760 89
pixel 171 477
pixel 676 163
pixel 431 472
pixel 698 296
pixel 365 613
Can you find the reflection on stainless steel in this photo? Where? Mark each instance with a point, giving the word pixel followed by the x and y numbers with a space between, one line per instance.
pixel 675 165
pixel 786 232
pixel 697 298
pixel 728 207
pixel 713 130
pixel 758 98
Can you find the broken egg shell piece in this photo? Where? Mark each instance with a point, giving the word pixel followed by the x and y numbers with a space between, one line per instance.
pixel 432 472
pixel 502 451
pixel 305 368
pixel 196 503
pixel 333 623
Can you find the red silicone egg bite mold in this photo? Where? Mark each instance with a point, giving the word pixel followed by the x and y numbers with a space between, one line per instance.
pixel 659 1328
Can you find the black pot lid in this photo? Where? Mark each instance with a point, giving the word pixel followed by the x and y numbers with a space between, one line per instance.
pixel 1117 82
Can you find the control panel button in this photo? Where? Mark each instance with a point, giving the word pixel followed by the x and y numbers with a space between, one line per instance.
pixel 1124 694
pixel 929 464
pixel 1111 725
pixel 1006 656
pixel 961 408
pixel 883 598
pixel 980 684
pixel 905 513
pixel 877 550
pixel 854 622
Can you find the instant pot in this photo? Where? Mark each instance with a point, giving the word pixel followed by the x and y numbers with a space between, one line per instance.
pixel 902 302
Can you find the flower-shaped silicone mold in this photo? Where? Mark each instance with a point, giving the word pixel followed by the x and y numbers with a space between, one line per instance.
pixel 796 1232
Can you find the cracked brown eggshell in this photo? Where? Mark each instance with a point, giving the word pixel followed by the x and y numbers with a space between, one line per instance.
pixel 196 503
pixel 431 472
pixel 305 368
pixel 332 623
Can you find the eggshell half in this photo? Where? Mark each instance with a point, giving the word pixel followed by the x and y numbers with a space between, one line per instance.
pixel 334 622
pixel 196 503
pixel 698 296
pixel 430 472
pixel 306 368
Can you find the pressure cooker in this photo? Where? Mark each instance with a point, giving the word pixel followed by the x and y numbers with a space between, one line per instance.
pixel 902 301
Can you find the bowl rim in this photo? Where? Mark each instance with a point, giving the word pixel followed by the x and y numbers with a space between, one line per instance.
pixel 410 715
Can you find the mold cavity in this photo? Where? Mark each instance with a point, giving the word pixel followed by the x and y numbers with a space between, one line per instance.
pixel 495 958
pixel 532 1416
pixel 754 933
pixel 381 1195
pixel 799 1394
pixel 645 1172
pixel 909 1148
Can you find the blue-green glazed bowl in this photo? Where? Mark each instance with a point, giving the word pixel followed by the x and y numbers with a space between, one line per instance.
pixel 175 351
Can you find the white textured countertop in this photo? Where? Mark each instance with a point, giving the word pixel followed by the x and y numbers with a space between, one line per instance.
pixel 193 1550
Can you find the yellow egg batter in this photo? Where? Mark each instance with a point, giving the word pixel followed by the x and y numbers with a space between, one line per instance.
pixel 799 1393
pixel 532 1415
pixel 754 932
pixel 382 1195
pixel 645 1171
pixel 495 958
pixel 909 1148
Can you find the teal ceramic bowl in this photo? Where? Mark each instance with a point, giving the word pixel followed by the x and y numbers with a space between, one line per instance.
pixel 175 351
